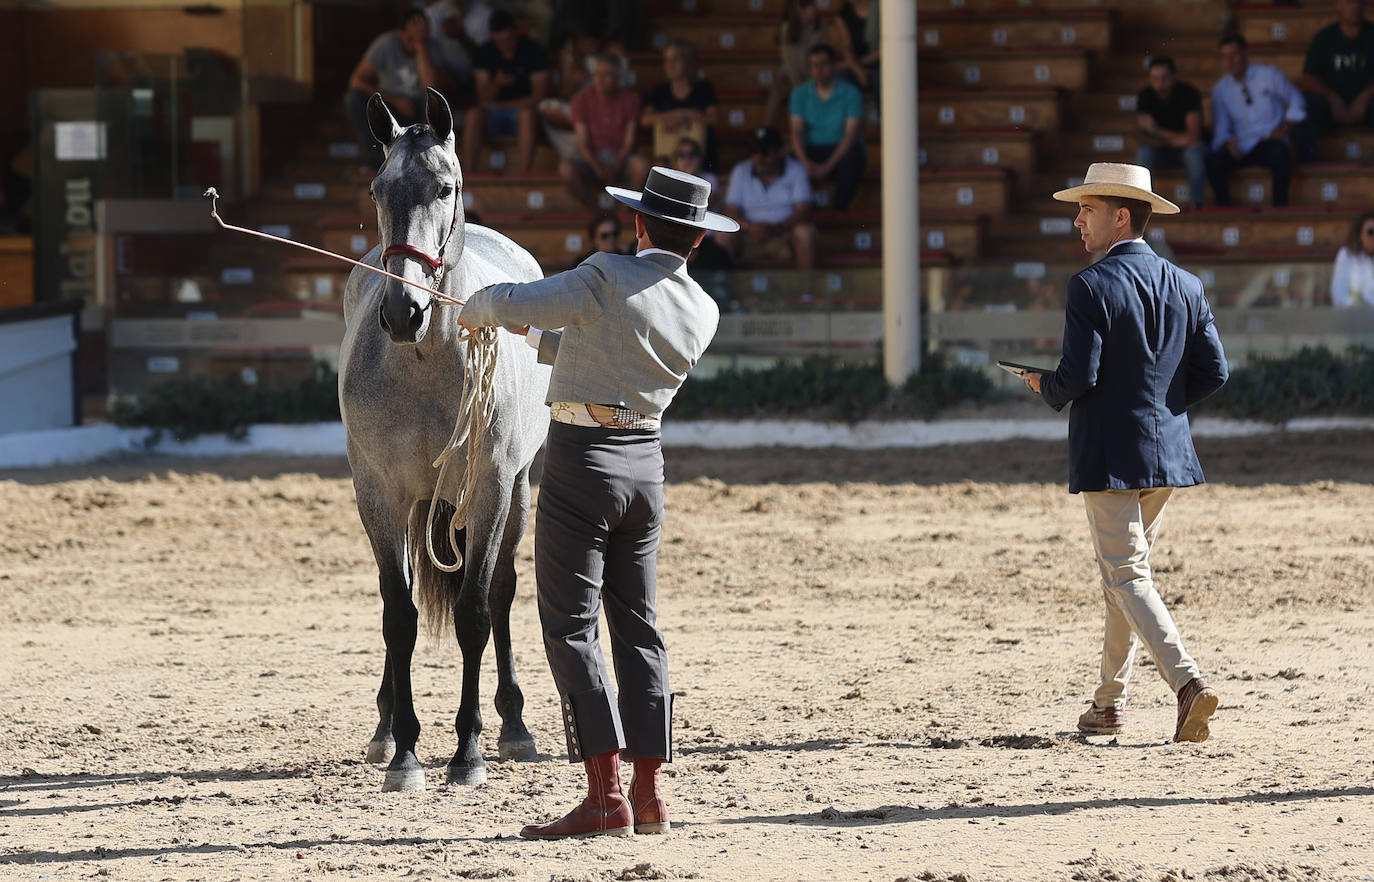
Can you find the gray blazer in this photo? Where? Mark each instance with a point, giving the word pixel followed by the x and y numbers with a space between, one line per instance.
pixel 632 327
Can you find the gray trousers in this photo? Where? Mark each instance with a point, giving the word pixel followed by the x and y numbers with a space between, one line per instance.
pixel 596 543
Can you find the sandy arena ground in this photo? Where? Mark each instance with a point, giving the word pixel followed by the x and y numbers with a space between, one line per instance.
pixel 878 657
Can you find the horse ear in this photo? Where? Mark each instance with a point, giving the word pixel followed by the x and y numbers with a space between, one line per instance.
pixel 438 115
pixel 381 122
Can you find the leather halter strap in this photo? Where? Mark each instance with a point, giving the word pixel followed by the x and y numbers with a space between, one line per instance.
pixel 435 263
pixel 412 251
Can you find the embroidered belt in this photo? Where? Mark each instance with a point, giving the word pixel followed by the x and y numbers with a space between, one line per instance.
pixel 602 416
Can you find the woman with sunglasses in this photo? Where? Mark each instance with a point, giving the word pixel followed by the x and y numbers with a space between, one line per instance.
pixel 603 235
pixel 1352 282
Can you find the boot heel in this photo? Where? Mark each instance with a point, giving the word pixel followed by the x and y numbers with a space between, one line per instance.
pixel 659 827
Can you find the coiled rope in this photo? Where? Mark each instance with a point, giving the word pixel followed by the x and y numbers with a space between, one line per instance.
pixel 476 412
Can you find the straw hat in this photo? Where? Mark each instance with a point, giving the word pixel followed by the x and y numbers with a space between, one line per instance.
pixel 1118 179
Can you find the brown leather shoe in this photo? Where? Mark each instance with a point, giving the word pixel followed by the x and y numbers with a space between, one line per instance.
pixel 1196 703
pixel 1102 720
pixel 605 811
pixel 646 798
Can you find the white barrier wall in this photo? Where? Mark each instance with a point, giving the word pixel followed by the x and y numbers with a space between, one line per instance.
pixel 37 375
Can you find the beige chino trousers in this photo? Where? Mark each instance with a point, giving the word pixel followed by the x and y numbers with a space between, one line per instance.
pixel 1124 525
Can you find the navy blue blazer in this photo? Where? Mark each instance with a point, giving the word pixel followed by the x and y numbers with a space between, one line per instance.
pixel 1140 348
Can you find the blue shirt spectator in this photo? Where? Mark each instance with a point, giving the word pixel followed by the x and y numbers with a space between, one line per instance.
pixel 1248 108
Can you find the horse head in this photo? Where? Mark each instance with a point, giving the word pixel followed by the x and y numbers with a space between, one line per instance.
pixel 418 192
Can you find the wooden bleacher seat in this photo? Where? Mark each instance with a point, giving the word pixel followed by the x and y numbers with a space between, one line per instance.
pixel 1009 68
pixel 1037 109
pixel 1011 148
pixel 1291 26
pixel 959 30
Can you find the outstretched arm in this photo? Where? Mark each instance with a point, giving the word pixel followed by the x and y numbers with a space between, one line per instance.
pixel 563 299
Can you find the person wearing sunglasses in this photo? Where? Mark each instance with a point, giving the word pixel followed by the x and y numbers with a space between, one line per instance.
pixel 1257 113
pixel 1352 282
pixel 603 236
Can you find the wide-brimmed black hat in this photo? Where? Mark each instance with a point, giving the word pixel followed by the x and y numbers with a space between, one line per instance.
pixel 678 197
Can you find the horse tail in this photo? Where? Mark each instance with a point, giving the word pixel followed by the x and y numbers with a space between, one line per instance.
pixel 435 590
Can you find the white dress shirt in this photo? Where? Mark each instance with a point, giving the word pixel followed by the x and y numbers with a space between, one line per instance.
pixel 1352 283
pixel 1250 108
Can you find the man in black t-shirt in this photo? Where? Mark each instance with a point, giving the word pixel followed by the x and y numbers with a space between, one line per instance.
pixel 1338 74
pixel 512 76
pixel 1169 116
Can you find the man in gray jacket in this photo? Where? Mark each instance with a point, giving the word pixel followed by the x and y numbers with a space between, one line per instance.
pixel 632 327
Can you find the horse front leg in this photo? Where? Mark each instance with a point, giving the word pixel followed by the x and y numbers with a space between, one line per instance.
pixel 515 742
pixel 399 622
pixel 382 747
pixel 472 624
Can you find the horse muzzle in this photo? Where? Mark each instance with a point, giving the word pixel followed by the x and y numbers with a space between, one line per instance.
pixel 404 318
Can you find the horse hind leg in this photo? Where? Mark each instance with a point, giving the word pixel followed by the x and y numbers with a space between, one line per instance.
pixel 515 741
pixel 472 624
pixel 441 594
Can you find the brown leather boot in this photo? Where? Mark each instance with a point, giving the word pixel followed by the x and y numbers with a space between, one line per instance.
pixel 651 812
pixel 604 812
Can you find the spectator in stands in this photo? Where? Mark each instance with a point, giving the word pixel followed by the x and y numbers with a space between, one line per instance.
pixel 856 42
pixel 827 136
pixel 576 66
pixel 770 196
pixel 603 235
pixel 1352 282
pixel 689 157
pixel 1255 109
pixel 1169 116
pixel 605 121
pixel 800 30
pixel 683 107
pixel 400 64
pixel 461 26
pixel 512 77
pixel 1338 75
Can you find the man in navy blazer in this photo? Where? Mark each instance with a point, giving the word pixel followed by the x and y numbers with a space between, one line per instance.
pixel 1140 347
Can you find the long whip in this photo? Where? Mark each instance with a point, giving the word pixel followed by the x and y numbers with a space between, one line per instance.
pixel 479 371
pixel 213 195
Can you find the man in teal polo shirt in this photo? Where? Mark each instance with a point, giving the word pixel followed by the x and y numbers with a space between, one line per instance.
pixel 827 120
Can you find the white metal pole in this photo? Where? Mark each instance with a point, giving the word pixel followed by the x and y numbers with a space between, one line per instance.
pixel 901 192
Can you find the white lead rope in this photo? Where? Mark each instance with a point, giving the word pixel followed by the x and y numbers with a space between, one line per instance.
pixel 476 411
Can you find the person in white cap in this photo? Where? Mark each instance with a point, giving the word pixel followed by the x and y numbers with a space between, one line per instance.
pixel 632 327
pixel 1140 348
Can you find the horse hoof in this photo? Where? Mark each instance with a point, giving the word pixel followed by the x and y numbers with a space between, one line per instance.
pixel 400 780
pixel 521 749
pixel 381 752
pixel 466 776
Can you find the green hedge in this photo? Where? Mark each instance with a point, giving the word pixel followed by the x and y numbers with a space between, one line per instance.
pixel 190 407
pixel 1312 382
pixel 825 389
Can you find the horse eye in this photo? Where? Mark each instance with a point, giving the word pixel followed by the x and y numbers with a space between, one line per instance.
pixel 446 191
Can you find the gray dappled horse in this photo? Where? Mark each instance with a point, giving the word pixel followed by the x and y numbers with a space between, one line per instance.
pixel 400 382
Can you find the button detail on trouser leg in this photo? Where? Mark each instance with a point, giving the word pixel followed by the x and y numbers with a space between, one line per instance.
pixel 605 811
